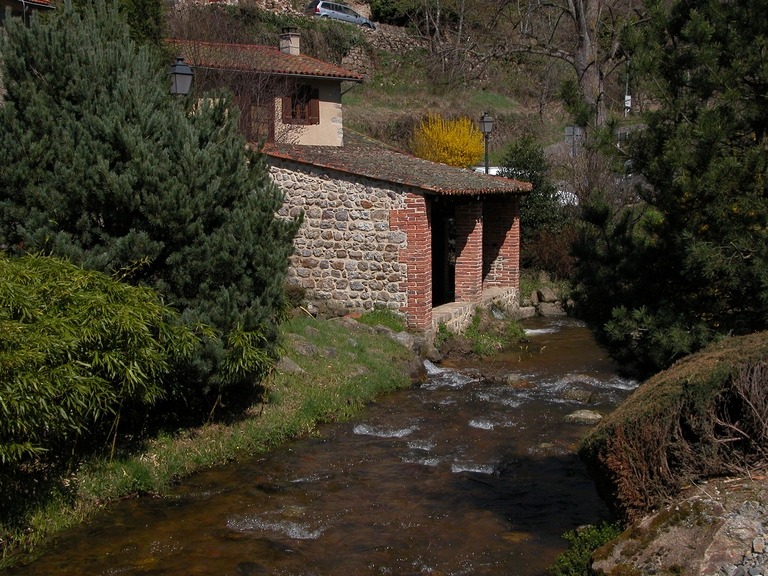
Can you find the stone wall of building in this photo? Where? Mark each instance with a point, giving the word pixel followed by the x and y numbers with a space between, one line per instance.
pixel 347 256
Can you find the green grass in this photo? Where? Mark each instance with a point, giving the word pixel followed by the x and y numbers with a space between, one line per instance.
pixel 383 317
pixel 492 101
pixel 488 340
pixel 352 367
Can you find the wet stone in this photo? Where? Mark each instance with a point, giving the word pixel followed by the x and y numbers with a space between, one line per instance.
pixel 578 395
pixel 588 417
pixel 250 568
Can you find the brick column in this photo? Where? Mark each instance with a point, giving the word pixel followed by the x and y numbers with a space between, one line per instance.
pixel 501 242
pixel 469 251
pixel 417 258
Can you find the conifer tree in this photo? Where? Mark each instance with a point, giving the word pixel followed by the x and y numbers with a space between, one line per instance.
pixel 688 264
pixel 100 165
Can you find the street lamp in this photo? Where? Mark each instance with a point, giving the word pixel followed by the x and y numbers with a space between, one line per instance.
pixel 181 77
pixel 486 125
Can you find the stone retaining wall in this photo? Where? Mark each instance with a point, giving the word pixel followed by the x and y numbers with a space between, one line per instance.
pixel 394 39
pixel 358 61
pixel 346 254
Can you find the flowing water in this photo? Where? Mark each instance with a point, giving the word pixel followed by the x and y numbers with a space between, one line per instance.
pixel 465 475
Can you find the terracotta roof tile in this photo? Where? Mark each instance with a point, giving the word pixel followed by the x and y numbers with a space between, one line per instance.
pixel 257 58
pixel 36 3
pixel 391 166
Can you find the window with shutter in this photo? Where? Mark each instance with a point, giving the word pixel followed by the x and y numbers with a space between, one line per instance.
pixel 302 107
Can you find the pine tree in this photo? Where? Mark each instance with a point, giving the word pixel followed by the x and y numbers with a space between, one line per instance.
pixel 689 265
pixel 100 165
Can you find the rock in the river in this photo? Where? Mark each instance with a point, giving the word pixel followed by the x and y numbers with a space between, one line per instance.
pixel 517 381
pixel 551 309
pixel 589 417
pixel 578 395
pixel 547 295
pixel 417 372
pixel 523 312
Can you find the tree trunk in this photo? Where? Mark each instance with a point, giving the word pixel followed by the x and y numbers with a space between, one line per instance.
pixel 586 61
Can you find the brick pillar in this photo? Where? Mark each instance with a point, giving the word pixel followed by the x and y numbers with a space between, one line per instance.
pixel 417 259
pixel 501 242
pixel 469 251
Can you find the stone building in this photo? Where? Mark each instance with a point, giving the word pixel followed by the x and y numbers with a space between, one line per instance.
pixel 381 227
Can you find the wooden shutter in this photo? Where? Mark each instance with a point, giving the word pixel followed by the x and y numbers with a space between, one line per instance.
pixel 314 107
pixel 287 110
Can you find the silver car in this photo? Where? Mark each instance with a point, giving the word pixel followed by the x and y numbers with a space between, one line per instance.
pixel 324 9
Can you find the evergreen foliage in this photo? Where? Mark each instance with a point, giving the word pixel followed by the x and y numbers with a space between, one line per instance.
pixel 146 18
pixel 454 142
pixel 576 560
pixel 389 12
pixel 76 347
pixel 687 265
pixel 100 165
pixel 544 220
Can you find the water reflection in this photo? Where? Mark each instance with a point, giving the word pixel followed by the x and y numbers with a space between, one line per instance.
pixel 466 475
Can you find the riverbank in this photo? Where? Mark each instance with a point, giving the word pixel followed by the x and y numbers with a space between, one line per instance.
pixel 331 370
pixel 683 461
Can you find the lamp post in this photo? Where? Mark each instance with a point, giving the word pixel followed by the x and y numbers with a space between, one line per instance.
pixel 486 125
pixel 181 77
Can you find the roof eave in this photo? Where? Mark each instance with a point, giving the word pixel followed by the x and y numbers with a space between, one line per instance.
pixel 281 74
pixel 525 186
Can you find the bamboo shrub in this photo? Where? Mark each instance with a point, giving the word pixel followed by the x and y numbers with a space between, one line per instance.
pixel 76 346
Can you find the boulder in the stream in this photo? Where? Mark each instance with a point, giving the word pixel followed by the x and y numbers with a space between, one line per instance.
pixel 588 417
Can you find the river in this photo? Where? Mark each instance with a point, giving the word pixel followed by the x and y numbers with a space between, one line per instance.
pixel 464 475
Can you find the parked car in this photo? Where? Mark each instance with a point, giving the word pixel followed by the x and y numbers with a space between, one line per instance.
pixel 323 9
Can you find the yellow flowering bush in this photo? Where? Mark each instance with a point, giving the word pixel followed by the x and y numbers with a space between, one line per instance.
pixel 454 142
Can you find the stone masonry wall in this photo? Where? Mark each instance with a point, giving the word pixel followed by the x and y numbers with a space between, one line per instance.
pixel 358 61
pixel 346 257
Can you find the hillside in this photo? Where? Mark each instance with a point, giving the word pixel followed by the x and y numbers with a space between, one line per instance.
pixel 408 74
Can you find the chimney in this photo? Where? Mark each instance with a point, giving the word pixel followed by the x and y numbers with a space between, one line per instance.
pixel 290 42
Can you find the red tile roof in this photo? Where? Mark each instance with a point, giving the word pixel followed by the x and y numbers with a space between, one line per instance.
pixel 33 3
pixel 392 166
pixel 257 58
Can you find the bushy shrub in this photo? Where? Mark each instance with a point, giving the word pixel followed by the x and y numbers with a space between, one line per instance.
pixel 454 142
pixel 76 347
pixel 575 560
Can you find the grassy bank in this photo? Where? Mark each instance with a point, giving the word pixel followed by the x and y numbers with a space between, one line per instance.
pixel 338 367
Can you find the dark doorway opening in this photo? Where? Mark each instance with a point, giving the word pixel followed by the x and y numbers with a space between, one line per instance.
pixel 443 225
